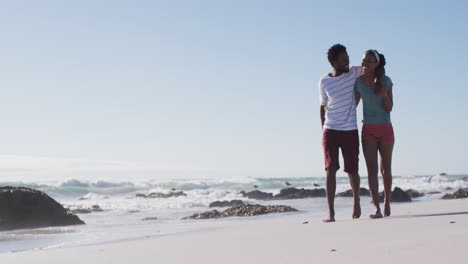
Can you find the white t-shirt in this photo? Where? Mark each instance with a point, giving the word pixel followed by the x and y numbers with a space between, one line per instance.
pixel 337 94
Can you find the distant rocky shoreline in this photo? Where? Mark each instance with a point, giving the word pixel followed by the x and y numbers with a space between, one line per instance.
pixel 22 207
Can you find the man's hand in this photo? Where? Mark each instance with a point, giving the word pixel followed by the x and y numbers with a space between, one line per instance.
pixel 322 115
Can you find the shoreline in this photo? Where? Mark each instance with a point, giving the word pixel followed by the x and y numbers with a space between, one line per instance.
pixel 415 231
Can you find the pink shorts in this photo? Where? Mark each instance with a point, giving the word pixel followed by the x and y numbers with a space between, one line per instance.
pixel 378 132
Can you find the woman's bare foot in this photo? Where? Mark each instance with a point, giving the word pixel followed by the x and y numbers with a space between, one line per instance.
pixel 356 212
pixel 387 211
pixel 329 219
pixel 377 215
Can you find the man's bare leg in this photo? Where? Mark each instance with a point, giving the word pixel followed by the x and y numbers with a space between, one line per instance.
pixel 331 189
pixel 355 182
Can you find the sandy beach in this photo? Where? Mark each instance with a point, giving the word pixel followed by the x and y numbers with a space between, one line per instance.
pixel 418 232
pixel 160 132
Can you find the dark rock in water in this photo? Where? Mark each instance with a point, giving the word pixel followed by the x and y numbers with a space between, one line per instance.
pixel 448 196
pixel 287 183
pixel 257 195
pixel 227 203
pixel 28 208
pixel 436 192
pixel 448 188
pixel 294 193
pixel 161 195
pixel 149 219
pixel 133 211
pixel 287 193
pixel 96 208
pixel 255 186
pixel 243 210
pixel 398 195
pixel 349 193
pixel 81 210
pixel 205 215
pixel 460 194
pixel 166 195
pixel 414 194
pixel 316 185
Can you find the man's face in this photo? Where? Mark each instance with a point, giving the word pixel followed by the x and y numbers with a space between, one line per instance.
pixel 342 62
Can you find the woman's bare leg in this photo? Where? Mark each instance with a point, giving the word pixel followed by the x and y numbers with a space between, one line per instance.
pixel 386 151
pixel 370 149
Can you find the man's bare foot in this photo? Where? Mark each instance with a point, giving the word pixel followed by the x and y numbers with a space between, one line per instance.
pixel 387 211
pixel 329 220
pixel 377 215
pixel 356 212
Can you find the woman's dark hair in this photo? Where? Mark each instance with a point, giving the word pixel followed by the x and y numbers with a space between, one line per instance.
pixel 334 51
pixel 380 70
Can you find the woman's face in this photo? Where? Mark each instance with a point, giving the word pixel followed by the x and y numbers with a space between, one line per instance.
pixel 369 63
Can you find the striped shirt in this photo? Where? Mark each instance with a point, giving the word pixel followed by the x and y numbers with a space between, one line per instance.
pixel 337 94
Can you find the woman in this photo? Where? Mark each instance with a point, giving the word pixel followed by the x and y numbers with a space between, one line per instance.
pixel 375 90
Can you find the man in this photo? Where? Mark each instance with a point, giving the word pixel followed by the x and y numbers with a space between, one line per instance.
pixel 338 116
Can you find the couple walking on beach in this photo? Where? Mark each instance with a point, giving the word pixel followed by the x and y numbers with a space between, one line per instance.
pixel 341 90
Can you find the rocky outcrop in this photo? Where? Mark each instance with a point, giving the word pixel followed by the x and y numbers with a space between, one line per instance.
pixel 232 203
pixel 257 195
pixel 243 210
pixel 161 195
pixel 28 208
pixel 398 195
pixel 294 193
pixel 460 194
pixel 206 215
pixel 349 193
pixel 414 194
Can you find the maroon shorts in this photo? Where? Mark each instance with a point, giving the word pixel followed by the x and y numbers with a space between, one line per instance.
pixel 348 141
pixel 378 132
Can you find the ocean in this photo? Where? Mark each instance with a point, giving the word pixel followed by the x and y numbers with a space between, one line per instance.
pixel 123 212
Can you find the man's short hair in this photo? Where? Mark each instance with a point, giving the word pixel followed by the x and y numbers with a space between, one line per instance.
pixel 334 51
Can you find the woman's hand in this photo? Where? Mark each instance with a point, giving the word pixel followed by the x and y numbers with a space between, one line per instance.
pixel 379 89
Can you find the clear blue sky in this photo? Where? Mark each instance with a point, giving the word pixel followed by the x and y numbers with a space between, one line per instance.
pixel 219 88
